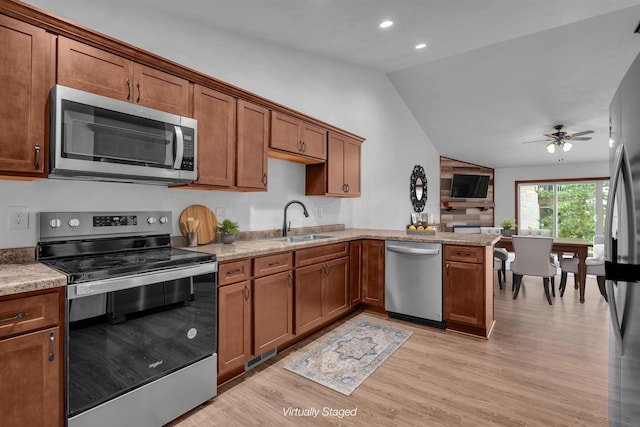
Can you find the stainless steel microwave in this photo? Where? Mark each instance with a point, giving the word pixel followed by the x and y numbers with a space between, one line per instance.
pixel 100 138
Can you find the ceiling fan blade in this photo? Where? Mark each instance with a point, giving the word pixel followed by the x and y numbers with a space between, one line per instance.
pixel 581 138
pixel 584 132
pixel 550 135
pixel 539 140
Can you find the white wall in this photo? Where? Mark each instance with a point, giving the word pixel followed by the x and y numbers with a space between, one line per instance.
pixel 505 178
pixel 356 99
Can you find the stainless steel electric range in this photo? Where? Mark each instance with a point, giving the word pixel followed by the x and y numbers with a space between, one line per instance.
pixel 141 317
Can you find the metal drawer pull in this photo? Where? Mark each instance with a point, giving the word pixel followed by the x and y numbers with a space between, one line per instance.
pixel 273 264
pixel 128 90
pixel 237 270
pixel 52 337
pixel 138 86
pixel 16 317
pixel 37 165
pixel 247 293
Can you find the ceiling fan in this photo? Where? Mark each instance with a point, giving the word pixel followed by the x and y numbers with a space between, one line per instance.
pixel 562 139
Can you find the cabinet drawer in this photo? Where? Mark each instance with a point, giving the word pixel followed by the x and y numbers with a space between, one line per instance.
pixel 272 264
pixel 321 253
pixel 474 254
pixel 235 271
pixel 29 313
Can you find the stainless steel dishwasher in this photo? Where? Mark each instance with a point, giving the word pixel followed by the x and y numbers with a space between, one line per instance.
pixel 413 282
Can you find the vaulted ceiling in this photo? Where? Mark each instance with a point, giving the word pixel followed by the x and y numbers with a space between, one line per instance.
pixel 495 73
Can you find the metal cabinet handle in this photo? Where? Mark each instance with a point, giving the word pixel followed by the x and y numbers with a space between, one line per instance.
pixel 138 86
pixel 290 280
pixel 347 187
pixel 36 166
pixel 304 147
pixel 247 292
pixel 447 269
pixel 16 317
pixel 300 146
pixel 236 271
pixel 128 90
pixel 264 179
pixel 273 264
pixel 52 337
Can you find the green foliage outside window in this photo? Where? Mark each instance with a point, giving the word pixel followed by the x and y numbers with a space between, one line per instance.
pixel 576 210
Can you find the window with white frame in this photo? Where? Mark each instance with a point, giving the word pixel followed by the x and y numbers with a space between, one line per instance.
pixel 572 208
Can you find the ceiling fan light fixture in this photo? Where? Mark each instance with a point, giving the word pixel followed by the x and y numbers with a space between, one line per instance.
pixel 566 146
pixel 551 147
pixel 386 24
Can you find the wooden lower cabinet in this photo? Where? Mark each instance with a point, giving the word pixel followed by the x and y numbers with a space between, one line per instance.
pixel 322 293
pixel 234 327
pixel 468 289
pixel 309 313
pixel 31 360
pixel 373 273
pixel 272 311
pixel 355 272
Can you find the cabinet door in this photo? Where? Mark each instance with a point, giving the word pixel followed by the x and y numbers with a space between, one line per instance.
pixel 336 288
pixel 314 141
pixel 216 116
pixel 285 133
pixel 463 293
pixel 335 166
pixel 352 167
pixel 30 379
pixel 234 326
pixel 252 144
pixel 93 70
pixel 160 90
pixel 272 311
pixel 373 272
pixel 355 272
pixel 23 85
pixel 308 296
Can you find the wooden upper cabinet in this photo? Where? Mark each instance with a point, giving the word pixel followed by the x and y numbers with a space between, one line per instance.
pixel 23 85
pixel 252 145
pixel 216 116
pixel 93 70
pixel 340 175
pixel 304 141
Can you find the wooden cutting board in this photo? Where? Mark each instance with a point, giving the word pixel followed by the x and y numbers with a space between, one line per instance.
pixel 208 222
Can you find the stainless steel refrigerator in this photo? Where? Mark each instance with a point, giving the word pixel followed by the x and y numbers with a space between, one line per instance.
pixel 622 252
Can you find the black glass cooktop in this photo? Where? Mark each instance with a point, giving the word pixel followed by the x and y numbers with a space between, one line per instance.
pixel 102 266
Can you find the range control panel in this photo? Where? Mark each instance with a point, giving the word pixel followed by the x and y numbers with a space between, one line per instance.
pixel 54 226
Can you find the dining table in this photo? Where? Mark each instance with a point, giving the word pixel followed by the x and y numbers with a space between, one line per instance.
pixel 578 247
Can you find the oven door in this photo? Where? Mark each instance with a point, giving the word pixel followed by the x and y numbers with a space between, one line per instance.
pixel 141 350
pixel 97 136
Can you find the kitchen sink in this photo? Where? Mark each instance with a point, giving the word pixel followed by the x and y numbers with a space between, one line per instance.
pixel 299 238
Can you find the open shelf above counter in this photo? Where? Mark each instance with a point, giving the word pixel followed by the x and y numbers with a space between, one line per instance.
pixel 483 205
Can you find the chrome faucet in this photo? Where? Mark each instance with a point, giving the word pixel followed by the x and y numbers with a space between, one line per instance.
pixel 285 227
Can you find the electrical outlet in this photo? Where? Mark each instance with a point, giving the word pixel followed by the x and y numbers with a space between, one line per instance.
pixel 18 218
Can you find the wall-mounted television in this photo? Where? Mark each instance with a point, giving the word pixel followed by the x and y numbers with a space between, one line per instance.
pixel 468 186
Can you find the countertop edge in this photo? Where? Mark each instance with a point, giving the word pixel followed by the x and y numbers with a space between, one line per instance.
pixel 29 276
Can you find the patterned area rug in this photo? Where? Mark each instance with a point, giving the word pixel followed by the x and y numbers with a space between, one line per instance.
pixel 347 359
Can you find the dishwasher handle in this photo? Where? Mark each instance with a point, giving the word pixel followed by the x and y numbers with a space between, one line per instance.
pixel 412 251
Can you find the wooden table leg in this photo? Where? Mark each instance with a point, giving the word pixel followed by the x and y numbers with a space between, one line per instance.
pixel 582 271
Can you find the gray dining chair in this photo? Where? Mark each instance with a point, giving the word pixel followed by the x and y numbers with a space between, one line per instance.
pixel 532 259
pixel 595 266
pixel 500 254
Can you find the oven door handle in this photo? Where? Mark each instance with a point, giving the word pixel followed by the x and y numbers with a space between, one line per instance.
pixel 97 287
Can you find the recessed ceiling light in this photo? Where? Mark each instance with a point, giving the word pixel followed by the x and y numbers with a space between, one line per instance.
pixel 421 46
pixel 386 24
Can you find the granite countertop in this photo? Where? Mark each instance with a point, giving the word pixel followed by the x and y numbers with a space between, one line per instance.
pixel 32 276
pixel 22 276
pixel 252 248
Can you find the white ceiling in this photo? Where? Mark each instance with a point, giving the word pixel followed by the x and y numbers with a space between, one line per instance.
pixel 495 72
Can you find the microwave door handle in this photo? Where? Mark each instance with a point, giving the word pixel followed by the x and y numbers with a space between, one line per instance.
pixel 179 147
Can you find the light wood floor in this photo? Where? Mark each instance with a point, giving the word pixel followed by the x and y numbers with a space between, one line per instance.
pixel 543 366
